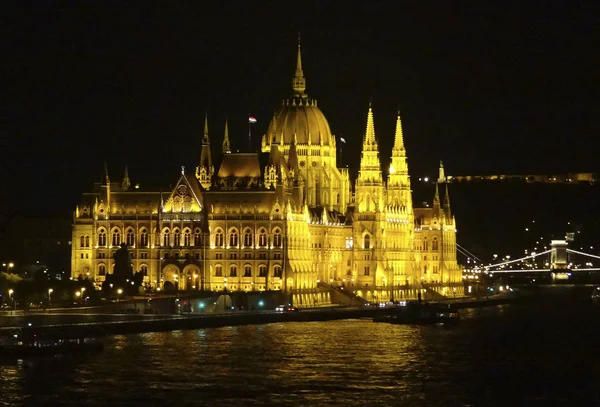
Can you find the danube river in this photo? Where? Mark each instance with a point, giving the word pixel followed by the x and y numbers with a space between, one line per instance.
pixel 506 355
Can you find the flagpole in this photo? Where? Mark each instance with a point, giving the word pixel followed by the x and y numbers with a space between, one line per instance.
pixel 249 134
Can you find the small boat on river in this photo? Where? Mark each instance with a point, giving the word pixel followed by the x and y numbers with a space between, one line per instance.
pixel 29 342
pixel 421 314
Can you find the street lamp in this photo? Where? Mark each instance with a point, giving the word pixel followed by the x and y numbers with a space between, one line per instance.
pixel 119 292
pixel 50 290
pixel 8 266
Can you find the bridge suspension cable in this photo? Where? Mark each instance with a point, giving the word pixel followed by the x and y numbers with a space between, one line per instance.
pixel 531 256
pixel 468 253
pixel 582 253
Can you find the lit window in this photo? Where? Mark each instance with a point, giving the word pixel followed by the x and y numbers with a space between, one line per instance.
pixel 219 271
pixel 233 238
pixel 367 242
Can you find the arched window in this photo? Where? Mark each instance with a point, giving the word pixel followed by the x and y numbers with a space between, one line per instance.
pixel 144 270
pixel 219 238
pixel 187 204
pixel 218 270
pixel 82 241
pixel 101 270
pixel 247 270
pixel 102 238
pixel 197 237
pixel 130 238
pixel 176 238
pixel 367 271
pixel 262 238
pixel 277 271
pixel 277 238
pixel 186 237
pixel 166 238
pixel 116 238
pixel 262 270
pixel 87 241
pixel 425 244
pixel 248 241
pixel 367 242
pixel 144 238
pixel 233 270
pixel 434 244
pixel 233 238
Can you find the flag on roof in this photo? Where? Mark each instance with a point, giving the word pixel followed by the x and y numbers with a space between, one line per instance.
pixel 251 119
pixel 343 140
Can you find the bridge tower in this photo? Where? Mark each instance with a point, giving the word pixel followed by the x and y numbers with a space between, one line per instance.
pixel 558 255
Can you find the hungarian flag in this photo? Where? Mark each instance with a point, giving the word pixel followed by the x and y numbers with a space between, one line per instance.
pixel 343 140
pixel 251 119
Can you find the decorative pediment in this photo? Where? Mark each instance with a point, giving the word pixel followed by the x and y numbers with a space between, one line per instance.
pixel 185 197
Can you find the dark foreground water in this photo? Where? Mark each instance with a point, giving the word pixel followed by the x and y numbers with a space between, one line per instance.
pixel 506 355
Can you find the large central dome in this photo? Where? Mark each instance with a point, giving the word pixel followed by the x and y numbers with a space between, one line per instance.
pixel 299 116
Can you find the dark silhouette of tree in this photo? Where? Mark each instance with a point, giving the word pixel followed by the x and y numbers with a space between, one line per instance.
pixel 123 271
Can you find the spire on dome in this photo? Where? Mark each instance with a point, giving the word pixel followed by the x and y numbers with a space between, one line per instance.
pixel 106 177
pixel 299 83
pixel 205 156
pixel 226 143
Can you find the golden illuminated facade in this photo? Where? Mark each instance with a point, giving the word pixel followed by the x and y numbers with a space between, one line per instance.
pixel 285 218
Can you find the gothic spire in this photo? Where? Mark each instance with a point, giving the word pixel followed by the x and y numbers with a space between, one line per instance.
pixel 299 83
pixel 447 203
pixel 441 174
pixel 205 139
pixel 126 183
pixel 106 177
pixel 370 139
pixel 399 138
pixel 226 144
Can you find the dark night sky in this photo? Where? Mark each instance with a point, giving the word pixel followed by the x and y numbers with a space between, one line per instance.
pixel 486 88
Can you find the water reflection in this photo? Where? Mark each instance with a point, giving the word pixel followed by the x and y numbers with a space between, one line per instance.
pixel 349 363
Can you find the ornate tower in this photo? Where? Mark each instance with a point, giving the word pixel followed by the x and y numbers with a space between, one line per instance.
pixel 206 170
pixel 126 183
pixel 398 186
pixel 369 184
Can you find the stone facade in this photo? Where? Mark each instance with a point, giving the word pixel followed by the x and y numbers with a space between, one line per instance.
pixel 285 218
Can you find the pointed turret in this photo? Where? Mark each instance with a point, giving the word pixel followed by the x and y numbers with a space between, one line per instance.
pixel 106 177
pixel 299 83
pixel 399 137
pixel 205 156
pixel 226 144
pixel 293 157
pixel 436 201
pixel 107 186
pixel 369 184
pixel 205 170
pixel 447 204
pixel 126 183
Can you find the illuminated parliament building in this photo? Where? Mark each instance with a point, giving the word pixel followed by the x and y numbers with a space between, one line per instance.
pixel 284 218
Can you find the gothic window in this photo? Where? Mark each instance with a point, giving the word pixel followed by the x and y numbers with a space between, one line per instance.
pixel 218 271
pixel 144 238
pixel 116 238
pixel 187 204
pixel 101 270
pixel 219 238
pixel 247 270
pixel 367 242
pixel 186 237
pixel 277 271
pixel 144 270
pixel 425 245
pixel 166 238
pixel 367 271
pixel 130 238
pixel 233 238
pixel 82 243
pixel 262 238
pixel 277 238
pixel 176 238
pixel 248 238
pixel 262 270
pixel 425 269
pixel 87 241
pixel 233 270
pixel 177 204
pixel 434 245
pixel 197 237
